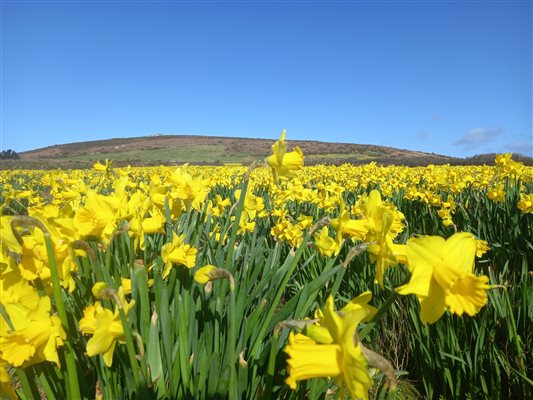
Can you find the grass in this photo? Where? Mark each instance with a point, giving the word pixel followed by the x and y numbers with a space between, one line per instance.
pixel 191 154
pixel 341 156
pixel 205 154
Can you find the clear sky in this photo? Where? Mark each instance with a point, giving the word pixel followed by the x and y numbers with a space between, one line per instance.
pixel 449 77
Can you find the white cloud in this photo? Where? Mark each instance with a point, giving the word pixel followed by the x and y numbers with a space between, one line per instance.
pixel 477 137
pixel 524 147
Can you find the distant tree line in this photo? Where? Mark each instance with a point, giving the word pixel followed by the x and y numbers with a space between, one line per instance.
pixel 9 155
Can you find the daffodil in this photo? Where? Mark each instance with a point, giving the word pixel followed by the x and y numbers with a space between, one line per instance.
pixel 34 263
pixel 325 244
pixel 481 248
pixel 202 275
pixel 319 332
pixel 346 227
pixel 220 206
pixel 285 231
pixel 126 285
pixel 8 242
pixel 497 193
pixel 34 260
pixel 105 326
pixel 154 224
pixel 446 215
pixel 188 189
pixel 361 303
pixel 252 206
pixel 18 297
pixel 380 221
pixel 526 203
pixel 107 167
pixel 209 273
pixel 442 276
pixel 36 335
pixel 177 252
pixel 340 357
pixel 506 166
pixel 284 164
pixel 96 218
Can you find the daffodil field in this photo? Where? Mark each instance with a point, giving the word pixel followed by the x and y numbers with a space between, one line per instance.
pixel 270 281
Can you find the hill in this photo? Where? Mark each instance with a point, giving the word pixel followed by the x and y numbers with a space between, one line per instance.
pixel 213 150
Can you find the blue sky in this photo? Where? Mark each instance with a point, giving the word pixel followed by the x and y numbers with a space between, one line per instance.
pixel 446 77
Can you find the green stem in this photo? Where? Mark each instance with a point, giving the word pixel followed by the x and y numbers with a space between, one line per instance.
pixel 44 378
pixel 29 387
pixel 281 289
pixel 235 227
pixel 129 346
pixel 515 334
pixel 337 282
pixel 271 364
pixel 368 327
pixel 231 346
pixel 72 377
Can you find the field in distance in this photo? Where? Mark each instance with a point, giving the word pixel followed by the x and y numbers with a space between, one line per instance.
pixel 213 150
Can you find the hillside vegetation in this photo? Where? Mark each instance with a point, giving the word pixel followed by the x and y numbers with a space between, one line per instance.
pixel 213 150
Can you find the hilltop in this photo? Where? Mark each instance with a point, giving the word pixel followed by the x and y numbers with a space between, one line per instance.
pixel 215 150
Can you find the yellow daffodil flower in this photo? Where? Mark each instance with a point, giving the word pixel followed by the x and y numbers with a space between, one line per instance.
pixel 497 193
pixel 8 238
pixel 126 285
pixel 481 248
pixel 285 231
pixel 442 276
pixel 379 219
pixel 342 359
pixel 36 336
pixel 202 275
pixel 107 167
pixel 319 332
pixel 348 228
pixel 526 203
pixel 325 244
pixel 177 252
pixel 96 218
pixel 284 164
pixel 105 327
